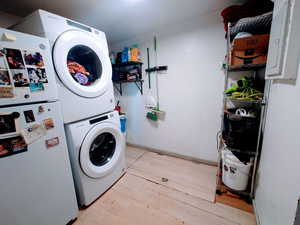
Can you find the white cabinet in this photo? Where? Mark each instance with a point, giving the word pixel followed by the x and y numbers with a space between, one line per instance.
pixel 284 47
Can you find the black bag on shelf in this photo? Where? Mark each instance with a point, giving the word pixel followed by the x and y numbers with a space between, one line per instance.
pixel 241 132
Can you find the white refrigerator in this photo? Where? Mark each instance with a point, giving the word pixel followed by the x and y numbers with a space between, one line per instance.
pixel 36 184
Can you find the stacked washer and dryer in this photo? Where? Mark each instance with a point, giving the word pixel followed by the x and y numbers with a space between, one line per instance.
pixel 81 61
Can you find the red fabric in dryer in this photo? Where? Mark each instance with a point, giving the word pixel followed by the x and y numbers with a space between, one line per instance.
pixel 75 67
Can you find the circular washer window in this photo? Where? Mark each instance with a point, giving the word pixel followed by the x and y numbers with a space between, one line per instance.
pixel 102 149
pixel 84 65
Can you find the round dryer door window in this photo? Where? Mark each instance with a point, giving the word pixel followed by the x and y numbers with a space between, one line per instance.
pixel 82 64
pixel 101 150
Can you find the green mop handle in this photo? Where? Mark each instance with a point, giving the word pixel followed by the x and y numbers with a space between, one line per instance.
pixel 156 73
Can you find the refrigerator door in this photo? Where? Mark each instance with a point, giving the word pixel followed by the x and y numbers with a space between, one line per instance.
pixel 36 179
pixel 26 70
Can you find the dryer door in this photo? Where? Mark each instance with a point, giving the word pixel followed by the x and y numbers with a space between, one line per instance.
pixel 101 150
pixel 82 64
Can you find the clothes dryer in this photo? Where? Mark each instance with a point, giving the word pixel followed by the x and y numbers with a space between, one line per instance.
pixel 81 61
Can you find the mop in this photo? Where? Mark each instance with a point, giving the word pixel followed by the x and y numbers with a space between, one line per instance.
pixel 153 114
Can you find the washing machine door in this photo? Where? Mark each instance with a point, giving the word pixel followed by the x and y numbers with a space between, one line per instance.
pixel 101 150
pixel 82 64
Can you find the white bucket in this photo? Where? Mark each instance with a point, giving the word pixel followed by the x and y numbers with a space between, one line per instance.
pixel 235 174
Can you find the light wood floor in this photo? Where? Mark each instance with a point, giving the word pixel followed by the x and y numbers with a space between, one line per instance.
pixel 162 190
pixel 192 178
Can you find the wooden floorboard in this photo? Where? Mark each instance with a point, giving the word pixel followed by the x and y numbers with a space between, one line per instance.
pixel 170 200
pixel 139 200
pixel 186 176
pixel 229 199
pixel 133 154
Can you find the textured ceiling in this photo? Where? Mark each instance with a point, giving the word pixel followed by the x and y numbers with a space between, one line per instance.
pixel 120 19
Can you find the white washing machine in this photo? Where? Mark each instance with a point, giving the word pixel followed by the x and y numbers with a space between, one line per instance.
pixel 81 60
pixel 97 154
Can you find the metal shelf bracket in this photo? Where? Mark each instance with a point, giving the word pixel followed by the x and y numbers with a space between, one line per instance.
pixel 140 87
pixel 138 83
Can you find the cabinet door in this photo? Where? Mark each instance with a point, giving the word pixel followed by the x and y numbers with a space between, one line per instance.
pixel 284 48
pixel 277 39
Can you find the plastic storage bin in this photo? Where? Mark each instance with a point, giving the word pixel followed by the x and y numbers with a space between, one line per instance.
pixel 235 174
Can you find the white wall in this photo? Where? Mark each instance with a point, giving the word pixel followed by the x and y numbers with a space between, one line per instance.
pixel 279 175
pixel 190 92
pixel 7 20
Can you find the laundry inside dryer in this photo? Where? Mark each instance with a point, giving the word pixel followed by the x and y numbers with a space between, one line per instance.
pixel 84 65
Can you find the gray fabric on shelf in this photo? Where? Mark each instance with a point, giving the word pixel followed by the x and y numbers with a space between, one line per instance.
pixel 253 25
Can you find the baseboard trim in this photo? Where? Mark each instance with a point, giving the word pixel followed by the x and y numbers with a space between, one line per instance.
pixel 162 152
pixel 255 212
